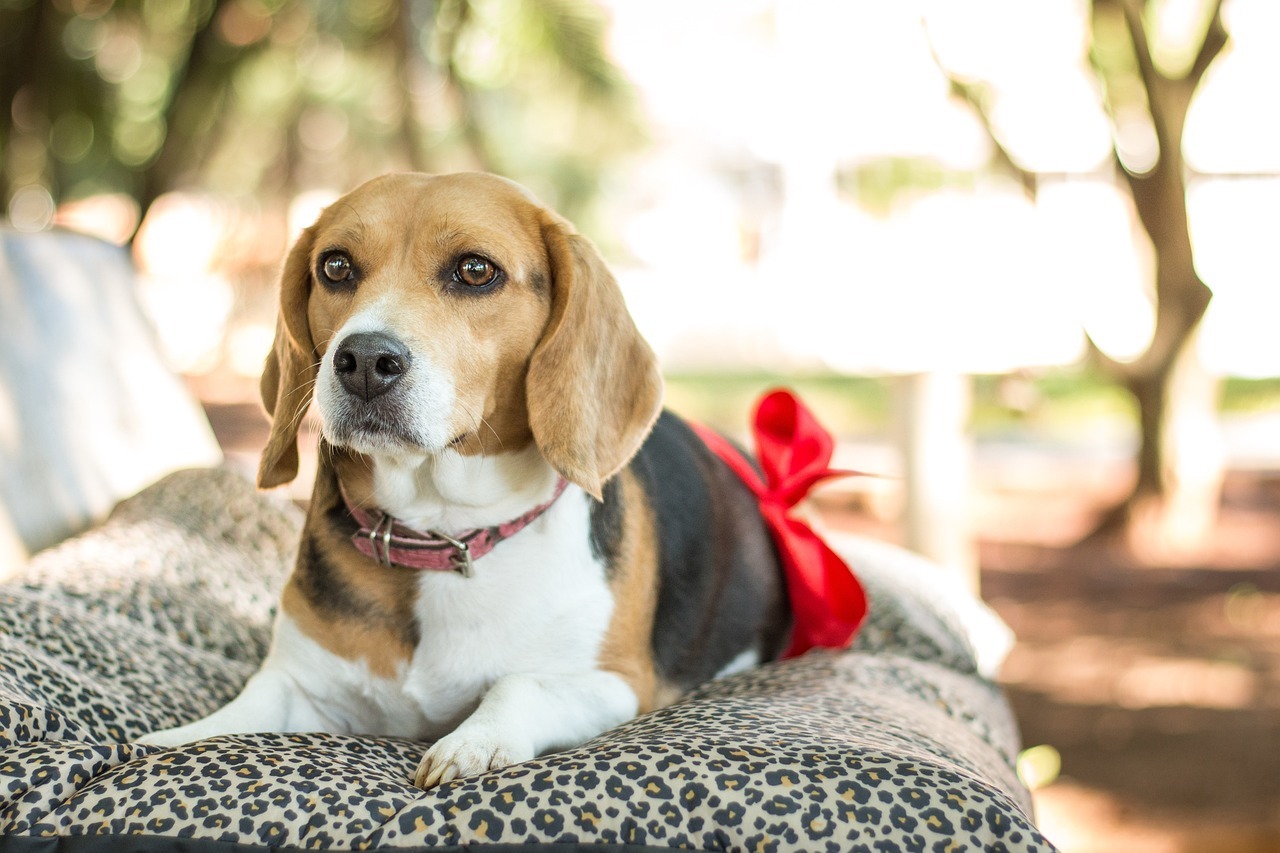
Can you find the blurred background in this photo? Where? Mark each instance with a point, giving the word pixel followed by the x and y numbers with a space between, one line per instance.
pixel 1020 256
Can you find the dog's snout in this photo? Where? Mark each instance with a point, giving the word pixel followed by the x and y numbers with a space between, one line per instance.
pixel 369 363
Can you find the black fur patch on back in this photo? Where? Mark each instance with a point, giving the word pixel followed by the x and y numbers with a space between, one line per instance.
pixel 721 590
pixel 606 524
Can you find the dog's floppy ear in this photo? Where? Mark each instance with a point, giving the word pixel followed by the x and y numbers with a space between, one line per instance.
pixel 289 374
pixel 593 384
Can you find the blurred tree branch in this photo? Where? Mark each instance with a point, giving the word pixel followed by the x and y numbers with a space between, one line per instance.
pixel 23 28
pixel 1159 194
pixel 198 88
pixel 1135 89
pixel 451 23
pixel 403 40
pixel 978 97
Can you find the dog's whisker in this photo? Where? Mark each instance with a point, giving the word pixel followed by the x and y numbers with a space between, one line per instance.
pixel 489 426
pixel 295 418
pixel 476 421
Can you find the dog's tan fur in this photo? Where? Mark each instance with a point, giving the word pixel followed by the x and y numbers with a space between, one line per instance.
pixel 548 358
pixel 627 646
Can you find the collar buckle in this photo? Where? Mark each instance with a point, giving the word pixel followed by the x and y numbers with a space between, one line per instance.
pixel 460 559
pixel 380 539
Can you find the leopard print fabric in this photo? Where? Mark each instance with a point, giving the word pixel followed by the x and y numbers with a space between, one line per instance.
pixel 160 615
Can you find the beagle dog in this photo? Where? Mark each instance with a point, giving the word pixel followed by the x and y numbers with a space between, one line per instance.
pixel 510 547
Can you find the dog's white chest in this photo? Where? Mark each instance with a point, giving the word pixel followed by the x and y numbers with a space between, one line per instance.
pixel 538 604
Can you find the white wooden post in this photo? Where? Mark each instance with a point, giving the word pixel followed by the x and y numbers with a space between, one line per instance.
pixel 932 426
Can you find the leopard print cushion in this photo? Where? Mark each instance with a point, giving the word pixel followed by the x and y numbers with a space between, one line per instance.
pixel 161 614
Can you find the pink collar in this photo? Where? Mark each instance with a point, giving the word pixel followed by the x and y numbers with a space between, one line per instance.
pixel 385 540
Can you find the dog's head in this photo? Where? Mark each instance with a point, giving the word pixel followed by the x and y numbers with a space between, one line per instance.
pixel 454 313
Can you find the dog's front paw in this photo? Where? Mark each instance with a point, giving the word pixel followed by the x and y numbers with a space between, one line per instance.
pixel 469 753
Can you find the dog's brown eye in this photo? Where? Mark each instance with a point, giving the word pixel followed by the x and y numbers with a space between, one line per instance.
pixel 476 271
pixel 336 267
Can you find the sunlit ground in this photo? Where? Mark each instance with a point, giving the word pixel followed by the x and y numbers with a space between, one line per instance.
pixel 1148 695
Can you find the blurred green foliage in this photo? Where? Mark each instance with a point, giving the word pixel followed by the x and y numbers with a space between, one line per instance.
pixel 850 405
pixel 264 98
pixel 1047 404
pixel 882 184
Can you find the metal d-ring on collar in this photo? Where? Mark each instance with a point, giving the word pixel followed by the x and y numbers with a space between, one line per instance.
pixel 461 558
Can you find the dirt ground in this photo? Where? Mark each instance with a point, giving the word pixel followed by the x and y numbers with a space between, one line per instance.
pixel 1156 684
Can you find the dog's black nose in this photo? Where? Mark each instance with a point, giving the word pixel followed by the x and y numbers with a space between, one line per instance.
pixel 369 363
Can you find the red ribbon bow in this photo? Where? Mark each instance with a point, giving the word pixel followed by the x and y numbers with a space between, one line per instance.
pixel 794 451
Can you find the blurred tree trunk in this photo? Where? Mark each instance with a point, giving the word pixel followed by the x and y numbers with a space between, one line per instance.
pixel 402 37
pixel 197 91
pixel 1177 489
pixel 932 412
pixel 24 37
pixel 452 19
pixel 1166 381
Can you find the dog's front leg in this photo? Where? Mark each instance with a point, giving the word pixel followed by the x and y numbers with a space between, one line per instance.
pixel 271 701
pixel 525 715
